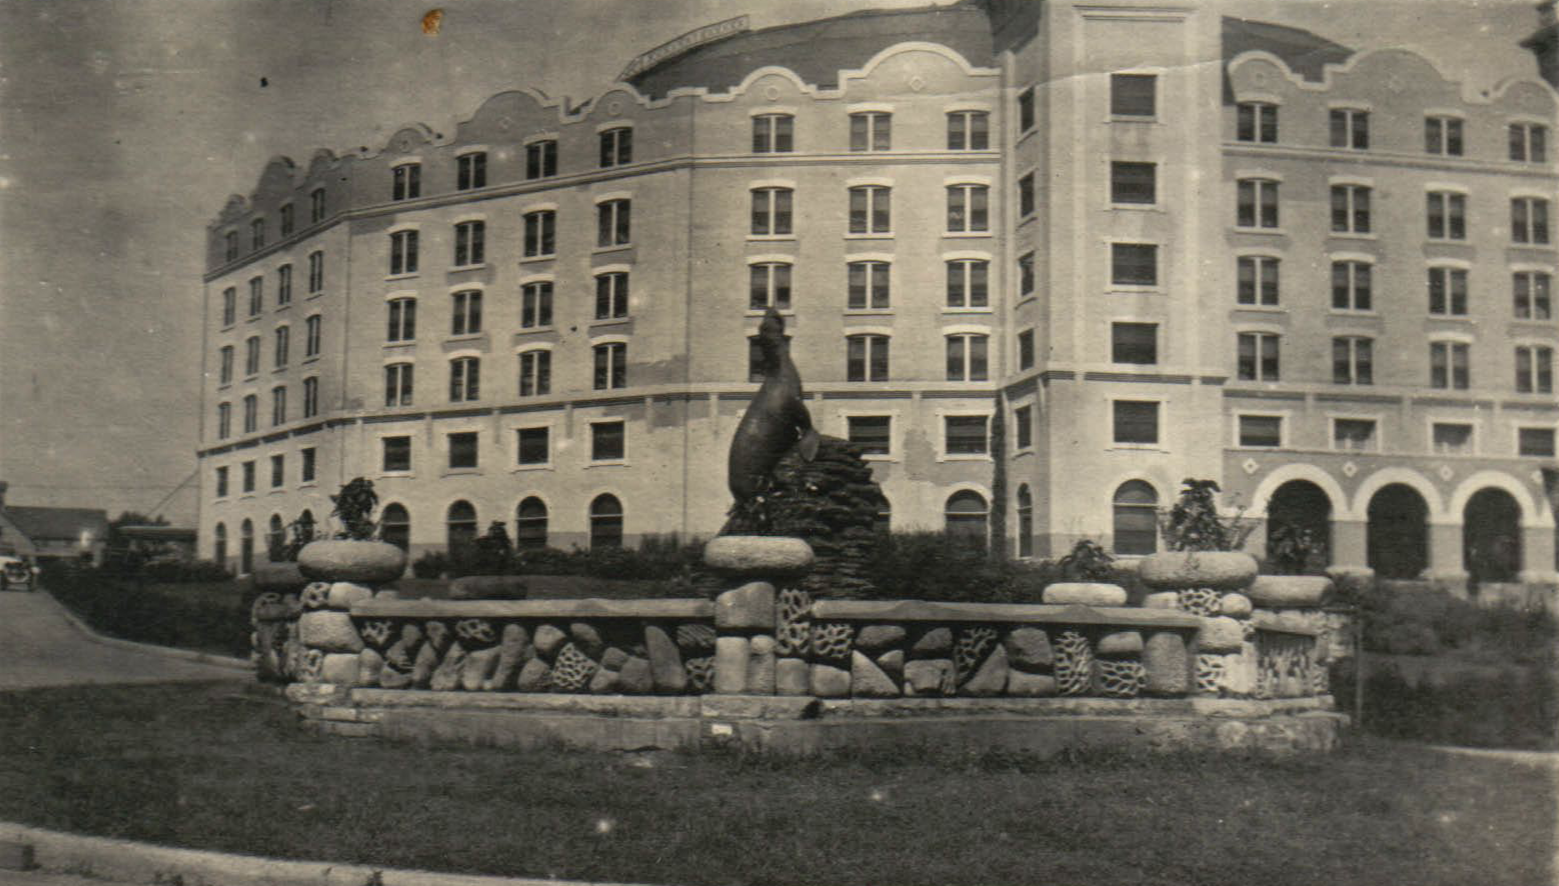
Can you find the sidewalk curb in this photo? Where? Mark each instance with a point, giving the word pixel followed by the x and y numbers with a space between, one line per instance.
pixel 124 861
pixel 221 661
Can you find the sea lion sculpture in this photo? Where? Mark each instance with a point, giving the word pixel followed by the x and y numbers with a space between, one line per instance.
pixel 775 421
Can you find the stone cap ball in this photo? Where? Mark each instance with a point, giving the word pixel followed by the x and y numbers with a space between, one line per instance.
pixel 1085 593
pixel 1219 570
pixel 757 555
pixel 344 559
pixel 1289 591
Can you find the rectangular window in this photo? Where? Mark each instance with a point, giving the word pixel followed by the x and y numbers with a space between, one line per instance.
pixel 229 306
pixel 1258 356
pixel 252 355
pixel 465 379
pixel 1258 280
pixel 966 434
pixel 278 471
pixel 311 397
pixel 616 147
pixel 287 220
pixel 316 272
pixel 283 286
pixel 1351 281
pixel 1134 264
pixel 534 446
pixel 607 441
pixel 1443 135
pixel 868 286
pixel 1350 209
pixel 1448 365
pixel 398 384
pixel 317 206
pixel 872 131
pixel 256 296
pixel 1023 427
pixel 1350 128
pixel 968 131
pixel 1534 370
pixel 283 344
pixel 1258 203
pixel 1256 122
pixel 403 320
pixel 967 358
pixel 613 223
pixel 1133 95
pixel 540 233
pixel 1537 442
pixel 769 286
pixel 462 450
pixel 1532 298
pixel 1133 182
pixel 1135 343
pixel 968 209
pixel 1356 434
pixel 466 312
pixel 278 406
pixel 226 363
pixel 230 244
pixel 257 234
pixel 1448 292
pixel 968 283
pixel 1026 117
pixel 1026 275
pixel 1529 220
pixel 1026 349
pixel 311 333
pixel 771 212
pixel 773 134
pixel 611 295
pixel 535 373
pixel 471 171
pixel 1026 205
pixel 403 252
pixel 1446 215
pixel 541 159
pixel 248 476
pixel 307 468
pixel 1136 421
pixel 870 210
pixel 224 420
pixel 406 182
pixel 222 482
pixel 397 454
pixel 1261 430
pixel 251 414
pixel 536 304
pixel 866 358
pixel 872 434
pixel 1528 142
pixel 470 243
pixel 1353 360
pixel 611 366
pixel 1451 439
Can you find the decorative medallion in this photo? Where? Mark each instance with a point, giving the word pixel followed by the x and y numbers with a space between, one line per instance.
pixel 1445 472
pixel 614 107
pixel 917 83
pixel 1349 469
pixel 1249 465
pixel 771 92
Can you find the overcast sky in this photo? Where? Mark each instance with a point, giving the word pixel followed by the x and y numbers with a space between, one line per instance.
pixel 125 124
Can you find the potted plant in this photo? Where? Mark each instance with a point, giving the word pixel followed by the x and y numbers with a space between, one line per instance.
pixel 354 554
pixel 1203 545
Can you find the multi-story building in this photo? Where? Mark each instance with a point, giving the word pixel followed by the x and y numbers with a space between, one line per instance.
pixel 1017 265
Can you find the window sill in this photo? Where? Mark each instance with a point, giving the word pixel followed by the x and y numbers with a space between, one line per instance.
pixel 314 295
pixel 480 266
pixel 246 495
pixel 227 385
pixel 1349 312
pixel 965 235
pixel 284 306
pixel 1351 235
pixel 527 330
pixel 1446 241
pixel 610 463
pixel 535 467
pixel 538 258
pixel 1118 446
pixel 950 309
pixel 1253 141
pixel 403 343
pixel 397 475
pixel 884 457
pixel 252 376
pixel 975 457
pixel 462 472
pixel 279 370
pixel 311 359
pixel 1517 245
pixel 760 312
pixel 869 235
pixel 1264 309
pixel 1135 289
pixel 466 337
pixel 770 238
pixel 615 247
pixel 1029 298
pixel 1452 318
pixel 610 321
pixel 1137 207
pixel 277 490
pixel 253 318
pixel 308 484
pixel 1274 232
pixel 408 276
pixel 1133 118
pixel 868 312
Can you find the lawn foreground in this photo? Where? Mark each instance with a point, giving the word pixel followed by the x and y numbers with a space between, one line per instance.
pixel 227 768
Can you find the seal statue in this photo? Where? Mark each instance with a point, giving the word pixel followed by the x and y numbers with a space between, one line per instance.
pixel 775 421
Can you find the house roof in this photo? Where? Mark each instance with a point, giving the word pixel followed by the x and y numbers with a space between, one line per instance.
pixel 55 523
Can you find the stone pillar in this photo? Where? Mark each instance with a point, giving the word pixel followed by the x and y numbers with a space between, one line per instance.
pixel 1537 555
pixel 747 616
pixel 1445 558
pixel 1349 545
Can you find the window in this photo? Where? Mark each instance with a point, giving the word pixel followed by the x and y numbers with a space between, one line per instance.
pixel 1258 203
pixel 1534 370
pixel 1451 439
pixel 1134 264
pixel 462 450
pixel 611 295
pixel 283 342
pixel 257 234
pixel 225 375
pixel 1023 427
pixel 403 319
pixel 1536 442
pixel 540 233
pixel 870 210
pixel 398 381
pixel 311 336
pixel 316 206
pixel 1258 280
pixel 1447 215
pixel 1351 286
pixel 224 420
pixel 966 357
pixel 868 285
pixel 606 441
pixel 969 130
pixel 286 220
pixel 222 482
pixel 307 468
pixel 1357 434
pixel 769 286
pixel 277 536
pixel 1350 128
pixel 968 283
pixel 466 312
pixel 403 252
pixel 311 397
pixel 1132 95
pixel 1026 205
pixel 616 147
pixel 1350 209
pixel 1026 110
pixel 1528 142
pixel 967 518
pixel 541 159
pixel 535 373
pixel 771 212
pixel 1134 343
pixel 248 484
pixel 612 223
pixel 1256 122
pixel 471 171
pixel 1026 276
pixel 230 245
pixel 530 525
pixel 1448 292
pixel 406 182
pixel 1448 365
pixel 1261 430
pixel 397 454
pixel 1443 135
pixel 283 286
pixel 967 210
pixel 1025 507
pixel 1026 349
pixel 606 522
pixel 611 366
pixel 316 272
pixel 465 376
pixel 533 446
pixel 872 131
pixel 536 304
pixel 966 434
pixel 256 296
pixel 470 248
pixel 1258 356
pixel 1353 360
pixel 395 525
pixel 773 134
pixel 1533 301
pixel 252 355
pixel 1133 182
pixel 866 358
pixel 1135 518
pixel 229 306
pixel 251 413
pixel 278 477
pixel 1529 220
pixel 459 528
pixel 278 405
pixel 872 434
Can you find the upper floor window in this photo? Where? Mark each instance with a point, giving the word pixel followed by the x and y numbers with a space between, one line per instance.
pixel 316 272
pixel 1350 128
pixel 536 304
pixel 225 375
pixel 230 245
pixel 224 420
pixel 1132 182
pixel 1258 356
pixel 616 147
pixel 533 449
pixel 1258 280
pixel 535 373
pixel 311 336
pixel 222 482
pixel 1026 349
pixel 1448 292
pixel 1532 300
pixel 463 450
pixel 968 209
pixel 966 357
pixel 607 439
pixel 968 283
pixel 968 131
pixel 1023 427
pixel 1133 95
pixel 1443 135
pixel 251 413
pixel 871 131
pixel 403 319
pixel 541 159
pixel 1535 442
pixel 470 246
pixel 1350 209
pixel 229 306
pixel 1134 343
pixel 966 434
pixel 771 211
pixel 1135 422
pixel 403 252
pixel 1353 360
pixel 256 296
pixel 1528 142
pixel 1534 369
pixel 611 295
pixel 872 434
pixel 1027 275
pixel 770 286
pixel 257 233
pixel 540 233
pixel 1529 220
pixel 773 134
pixel 868 285
pixel 613 223
pixel 1447 215
pixel 398 384
pixel 311 396
pixel 1257 204
pixel 283 286
pixel 471 171
pixel 1261 431
pixel 466 312
pixel 395 454
pixel 1451 438
pixel 611 366
pixel 316 205
pixel 1134 264
pixel 1256 122
pixel 465 379
pixel 279 405
pixel 287 221
pixel 1026 199
pixel 1448 365
pixel 283 344
pixel 252 355
pixel 1026 110
pixel 1351 286
pixel 871 209
pixel 406 182
pixel 866 358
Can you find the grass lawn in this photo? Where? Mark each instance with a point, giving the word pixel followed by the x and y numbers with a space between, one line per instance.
pixel 216 767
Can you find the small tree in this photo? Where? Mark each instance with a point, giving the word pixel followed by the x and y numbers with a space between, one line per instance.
pixel 354 507
pixel 1087 561
pixel 493 550
pixel 1293 549
pixel 302 533
pixel 1193 524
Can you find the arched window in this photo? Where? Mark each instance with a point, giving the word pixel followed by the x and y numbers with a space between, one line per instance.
pixel 276 539
pixel 606 522
pixel 460 525
pixel 246 548
pixel 306 526
pixel 968 517
pixel 219 544
pixel 1025 521
pixel 1136 518
pixel 395 525
pixel 530 524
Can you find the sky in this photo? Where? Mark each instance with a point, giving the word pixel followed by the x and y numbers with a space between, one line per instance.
pixel 125 125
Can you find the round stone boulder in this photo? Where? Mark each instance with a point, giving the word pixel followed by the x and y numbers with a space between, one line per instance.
pixel 344 559
pixel 1289 591
pixel 283 578
pixel 1235 606
pixel 1085 593
pixel 344 593
pixel 488 587
pixel 1220 570
pixel 757 555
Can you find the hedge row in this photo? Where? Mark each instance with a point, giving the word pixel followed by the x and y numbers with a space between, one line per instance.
pixel 1512 706
pixel 142 611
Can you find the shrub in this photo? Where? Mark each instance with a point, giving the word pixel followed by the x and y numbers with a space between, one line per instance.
pixel 1088 561
pixel 1511 706
pixel 432 564
pixel 934 566
pixel 1193 524
pixel 184 571
pixel 354 507
pixel 134 609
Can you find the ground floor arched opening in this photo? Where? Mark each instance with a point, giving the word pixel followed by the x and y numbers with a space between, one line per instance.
pixel 1491 536
pixel 1299 529
pixel 1398 532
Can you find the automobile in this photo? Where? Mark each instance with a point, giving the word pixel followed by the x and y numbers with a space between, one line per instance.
pixel 15 574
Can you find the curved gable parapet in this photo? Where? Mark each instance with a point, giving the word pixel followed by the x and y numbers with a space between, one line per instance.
pixel 236 207
pixel 276 181
pixel 321 163
pixel 1525 95
pixel 508 115
pixel 795 83
pixel 1390 68
pixel 408 139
